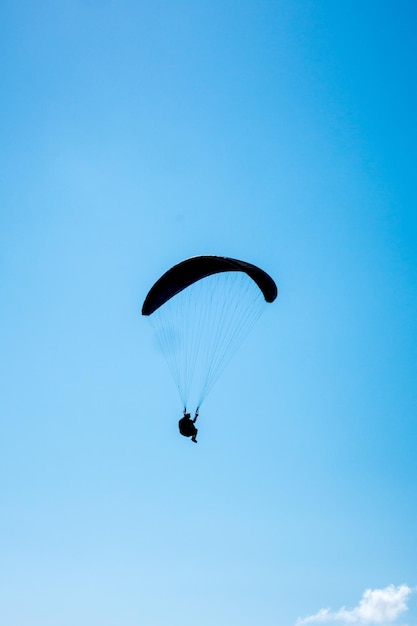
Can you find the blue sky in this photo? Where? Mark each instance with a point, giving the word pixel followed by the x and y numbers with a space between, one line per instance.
pixel 137 134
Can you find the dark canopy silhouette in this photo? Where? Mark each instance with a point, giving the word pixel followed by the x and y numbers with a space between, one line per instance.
pixel 201 310
pixel 194 269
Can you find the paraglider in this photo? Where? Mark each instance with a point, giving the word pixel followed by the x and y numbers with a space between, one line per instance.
pixel 201 309
pixel 187 427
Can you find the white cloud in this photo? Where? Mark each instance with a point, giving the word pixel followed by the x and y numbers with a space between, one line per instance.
pixel 377 606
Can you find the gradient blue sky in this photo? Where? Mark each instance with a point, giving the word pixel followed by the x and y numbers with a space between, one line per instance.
pixel 135 134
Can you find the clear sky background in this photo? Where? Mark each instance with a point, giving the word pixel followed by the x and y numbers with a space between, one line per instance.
pixel 137 133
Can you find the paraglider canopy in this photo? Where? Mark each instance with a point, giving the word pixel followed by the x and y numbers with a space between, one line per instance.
pixel 191 270
pixel 201 309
